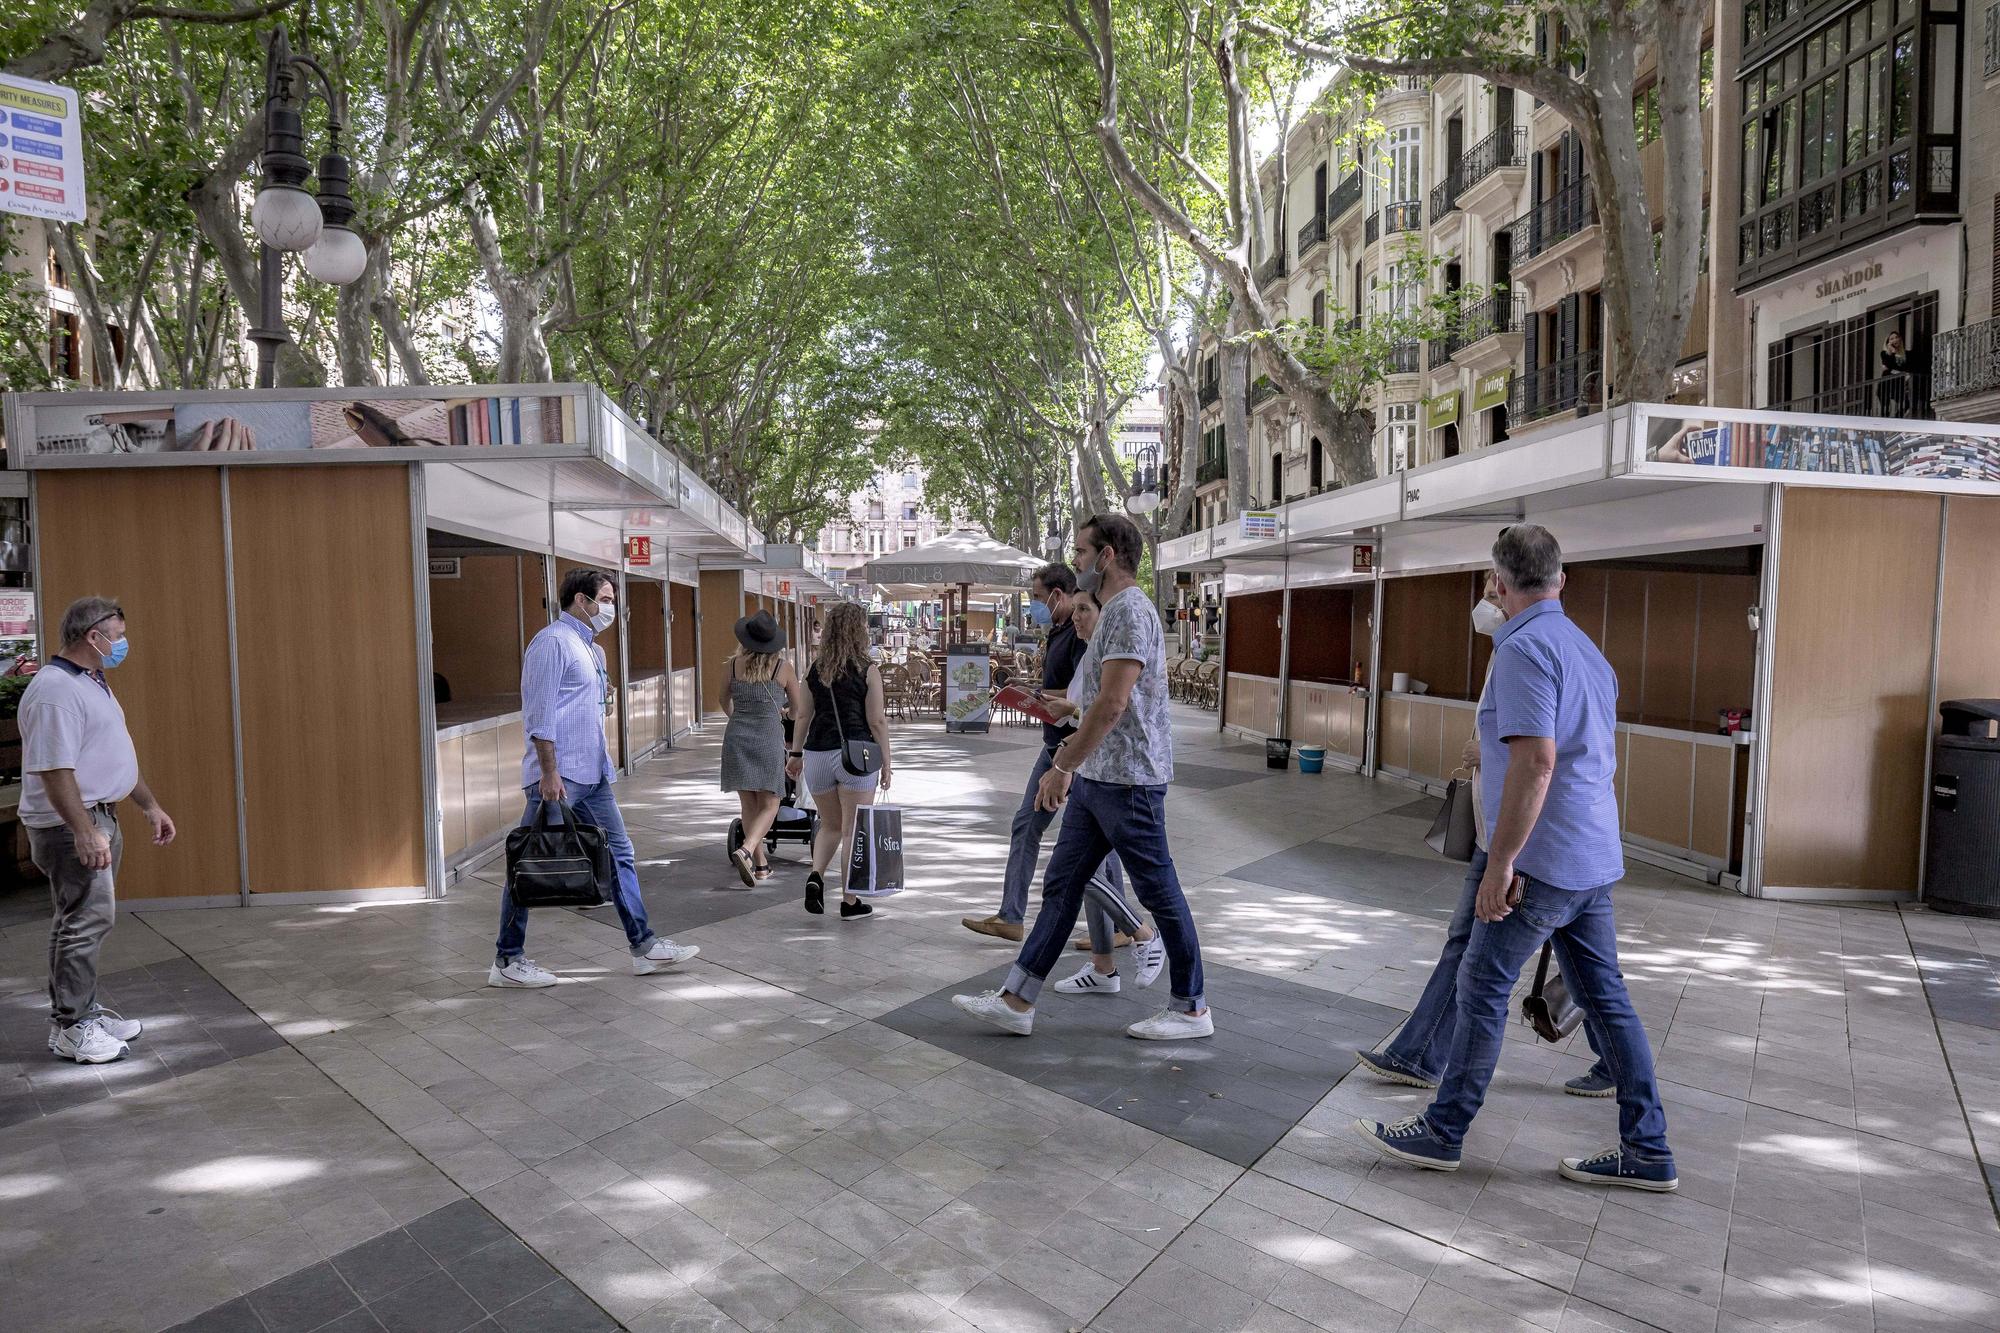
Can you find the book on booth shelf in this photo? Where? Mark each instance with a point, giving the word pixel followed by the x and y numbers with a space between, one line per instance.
pixel 1023 700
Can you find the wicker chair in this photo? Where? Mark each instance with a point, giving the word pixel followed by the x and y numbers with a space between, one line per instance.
pixel 1208 685
pixel 1177 677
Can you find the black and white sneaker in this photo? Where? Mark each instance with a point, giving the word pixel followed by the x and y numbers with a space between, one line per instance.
pixel 1089 981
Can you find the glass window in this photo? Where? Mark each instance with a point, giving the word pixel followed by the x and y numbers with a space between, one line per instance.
pixel 1857 111
pixel 1944 73
pixel 1749 158
pixel 1903 90
pixel 1815 54
pixel 1809 103
pixel 1878 68
pixel 1406 148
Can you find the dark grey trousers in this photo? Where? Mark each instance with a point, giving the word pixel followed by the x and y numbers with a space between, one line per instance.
pixel 85 906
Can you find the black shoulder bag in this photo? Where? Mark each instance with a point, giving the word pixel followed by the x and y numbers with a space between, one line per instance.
pixel 559 865
pixel 1547 1008
pixel 859 758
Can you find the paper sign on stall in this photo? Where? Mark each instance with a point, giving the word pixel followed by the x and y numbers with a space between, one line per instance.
pixel 41 150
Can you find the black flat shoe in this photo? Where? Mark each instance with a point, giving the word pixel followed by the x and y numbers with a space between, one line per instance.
pixel 848 911
pixel 816 893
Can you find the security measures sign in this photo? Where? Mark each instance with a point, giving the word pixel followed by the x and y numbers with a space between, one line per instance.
pixel 41 150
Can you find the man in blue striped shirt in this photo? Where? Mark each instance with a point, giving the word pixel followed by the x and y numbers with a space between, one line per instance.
pixel 563 689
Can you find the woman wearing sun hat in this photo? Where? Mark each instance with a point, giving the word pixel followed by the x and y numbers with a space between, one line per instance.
pixel 757 684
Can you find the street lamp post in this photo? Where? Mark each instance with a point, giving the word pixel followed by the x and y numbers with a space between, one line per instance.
pixel 285 217
pixel 1145 499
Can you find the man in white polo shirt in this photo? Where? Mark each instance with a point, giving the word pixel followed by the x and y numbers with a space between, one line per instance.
pixel 78 763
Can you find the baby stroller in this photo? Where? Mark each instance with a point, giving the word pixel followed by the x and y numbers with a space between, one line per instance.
pixel 797 820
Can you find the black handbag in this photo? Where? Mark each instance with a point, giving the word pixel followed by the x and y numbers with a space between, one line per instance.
pixel 558 865
pixel 1452 833
pixel 859 758
pixel 1547 1007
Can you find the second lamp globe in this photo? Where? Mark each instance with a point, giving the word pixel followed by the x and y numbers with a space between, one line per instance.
pixel 338 257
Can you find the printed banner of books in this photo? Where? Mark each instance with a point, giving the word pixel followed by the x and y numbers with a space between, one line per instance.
pixel 1783 447
pixel 363 423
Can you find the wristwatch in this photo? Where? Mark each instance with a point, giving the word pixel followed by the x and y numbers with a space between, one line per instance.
pixel 795 754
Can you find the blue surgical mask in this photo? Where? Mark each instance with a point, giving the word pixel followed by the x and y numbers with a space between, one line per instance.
pixel 116 653
pixel 1038 613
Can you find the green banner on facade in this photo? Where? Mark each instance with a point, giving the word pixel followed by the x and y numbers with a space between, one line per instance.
pixel 1490 389
pixel 1441 410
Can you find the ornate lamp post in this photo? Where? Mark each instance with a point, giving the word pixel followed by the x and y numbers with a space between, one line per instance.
pixel 285 217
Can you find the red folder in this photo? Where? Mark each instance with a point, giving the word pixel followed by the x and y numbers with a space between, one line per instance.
pixel 1023 701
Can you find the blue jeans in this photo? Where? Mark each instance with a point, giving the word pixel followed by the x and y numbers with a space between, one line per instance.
pixel 1131 821
pixel 1105 911
pixel 1586 947
pixel 1424 1040
pixel 1026 845
pixel 593 804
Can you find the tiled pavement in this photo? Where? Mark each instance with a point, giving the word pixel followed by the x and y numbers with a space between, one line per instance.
pixel 772 1137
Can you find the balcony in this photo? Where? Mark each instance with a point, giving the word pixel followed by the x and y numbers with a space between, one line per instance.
pixel 1209 393
pixel 1344 196
pixel 1505 147
pixel 1403 85
pixel 1261 391
pixel 1313 233
pixel 1966 361
pixel 1900 395
pixel 1405 358
pixel 1497 314
pixel 1272 270
pixel 1373 232
pixel 1566 213
pixel 1212 470
pixel 1444 199
pixel 1572 384
pixel 1406 215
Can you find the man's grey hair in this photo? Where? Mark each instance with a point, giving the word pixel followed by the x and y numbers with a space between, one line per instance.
pixel 1529 558
pixel 84 614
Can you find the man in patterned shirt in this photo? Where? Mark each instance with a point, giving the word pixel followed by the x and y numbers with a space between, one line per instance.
pixel 1114 772
pixel 562 711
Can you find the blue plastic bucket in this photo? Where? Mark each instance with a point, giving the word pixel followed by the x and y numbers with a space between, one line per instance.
pixel 1312 758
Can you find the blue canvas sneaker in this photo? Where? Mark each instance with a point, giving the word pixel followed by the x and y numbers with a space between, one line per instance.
pixel 1592 1082
pixel 1410 1142
pixel 1615 1166
pixel 1391 1070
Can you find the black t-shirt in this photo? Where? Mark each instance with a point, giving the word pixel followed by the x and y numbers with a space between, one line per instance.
pixel 850 695
pixel 1059 663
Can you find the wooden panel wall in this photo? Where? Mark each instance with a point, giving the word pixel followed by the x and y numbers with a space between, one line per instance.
pixel 1857 583
pixel 1679 640
pixel 476 626
pixel 152 539
pixel 647 626
pixel 326 616
pixel 1427 631
pixel 721 606
pixel 683 627
pixel 535 613
pixel 1252 649
pixel 1969 643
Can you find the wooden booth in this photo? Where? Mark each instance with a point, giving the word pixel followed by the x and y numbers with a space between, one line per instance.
pixel 1786 600
pixel 329 621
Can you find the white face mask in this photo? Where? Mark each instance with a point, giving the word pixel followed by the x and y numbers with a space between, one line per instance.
pixel 1487 618
pixel 602 616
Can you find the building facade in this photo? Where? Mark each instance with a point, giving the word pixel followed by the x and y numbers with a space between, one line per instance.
pixel 1966 364
pixel 1491 187
pixel 1849 243
pixel 888 514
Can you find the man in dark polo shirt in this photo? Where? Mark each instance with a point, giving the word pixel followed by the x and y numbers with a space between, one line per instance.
pixel 1053 586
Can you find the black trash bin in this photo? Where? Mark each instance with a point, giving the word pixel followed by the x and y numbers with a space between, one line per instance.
pixel 1962 869
pixel 1277 752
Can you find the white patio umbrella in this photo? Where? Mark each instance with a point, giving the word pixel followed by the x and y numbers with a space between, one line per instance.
pixel 964 559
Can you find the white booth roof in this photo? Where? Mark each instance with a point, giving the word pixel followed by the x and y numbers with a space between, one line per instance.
pixel 532 466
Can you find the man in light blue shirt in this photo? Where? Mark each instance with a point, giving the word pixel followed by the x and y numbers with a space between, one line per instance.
pixel 1548 758
pixel 563 686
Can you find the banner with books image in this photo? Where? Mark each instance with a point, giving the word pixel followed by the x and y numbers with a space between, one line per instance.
pixel 332 423
pixel 1779 446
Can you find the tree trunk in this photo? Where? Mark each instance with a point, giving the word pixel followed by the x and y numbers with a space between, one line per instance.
pixel 1236 410
pixel 213 198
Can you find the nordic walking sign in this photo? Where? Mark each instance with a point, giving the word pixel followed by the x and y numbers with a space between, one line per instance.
pixel 41 150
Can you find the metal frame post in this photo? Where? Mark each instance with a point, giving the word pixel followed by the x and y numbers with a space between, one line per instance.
pixel 426 685
pixel 236 693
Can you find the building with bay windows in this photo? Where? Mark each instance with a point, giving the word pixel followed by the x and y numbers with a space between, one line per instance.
pixel 1965 361
pixel 1849 246
pixel 1458 185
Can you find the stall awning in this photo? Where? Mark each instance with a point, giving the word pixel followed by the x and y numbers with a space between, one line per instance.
pixel 527 465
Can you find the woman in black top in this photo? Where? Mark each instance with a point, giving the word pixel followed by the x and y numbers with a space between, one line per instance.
pixel 843 698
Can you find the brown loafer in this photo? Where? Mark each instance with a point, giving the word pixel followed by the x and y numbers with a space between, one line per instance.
pixel 1119 940
pixel 994 926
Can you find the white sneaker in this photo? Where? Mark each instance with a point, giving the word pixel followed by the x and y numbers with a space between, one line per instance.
pixel 523 972
pixel 1089 981
pixel 1173 1025
pixel 664 953
pixel 1151 955
pixel 990 1008
pixel 87 1043
pixel 119 1026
